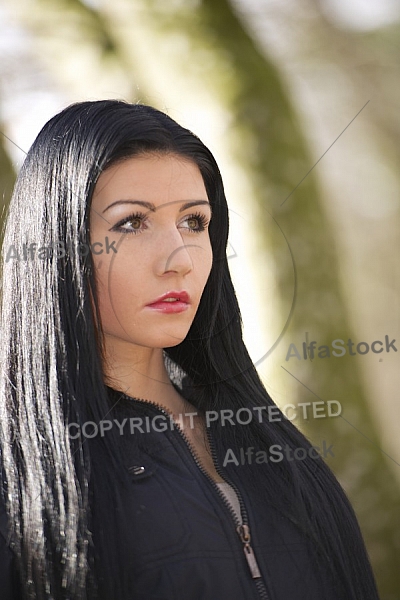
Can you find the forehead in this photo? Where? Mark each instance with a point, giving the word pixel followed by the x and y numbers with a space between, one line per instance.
pixel 155 178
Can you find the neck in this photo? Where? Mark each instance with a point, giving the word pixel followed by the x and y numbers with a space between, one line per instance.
pixel 141 373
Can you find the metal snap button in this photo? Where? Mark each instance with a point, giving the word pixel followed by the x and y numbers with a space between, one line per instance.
pixel 136 470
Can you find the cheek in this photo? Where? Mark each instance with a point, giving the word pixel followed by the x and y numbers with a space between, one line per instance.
pixel 116 287
pixel 207 262
pixel 106 304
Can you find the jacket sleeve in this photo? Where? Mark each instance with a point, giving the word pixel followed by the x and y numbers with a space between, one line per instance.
pixel 9 579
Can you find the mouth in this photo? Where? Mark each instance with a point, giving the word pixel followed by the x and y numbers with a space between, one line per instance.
pixel 172 296
pixel 171 302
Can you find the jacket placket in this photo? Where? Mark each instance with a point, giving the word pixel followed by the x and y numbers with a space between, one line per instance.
pixel 242 529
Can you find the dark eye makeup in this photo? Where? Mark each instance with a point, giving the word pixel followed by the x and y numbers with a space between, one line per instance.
pixel 140 219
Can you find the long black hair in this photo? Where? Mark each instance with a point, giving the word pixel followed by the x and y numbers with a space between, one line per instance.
pixel 52 363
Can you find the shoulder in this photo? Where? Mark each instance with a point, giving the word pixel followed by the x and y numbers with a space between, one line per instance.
pixel 8 569
pixel 3 511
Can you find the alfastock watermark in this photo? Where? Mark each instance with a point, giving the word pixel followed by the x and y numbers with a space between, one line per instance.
pixel 338 348
pixel 275 453
pixel 32 251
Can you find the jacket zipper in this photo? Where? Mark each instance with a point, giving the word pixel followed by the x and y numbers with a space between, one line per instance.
pixel 243 528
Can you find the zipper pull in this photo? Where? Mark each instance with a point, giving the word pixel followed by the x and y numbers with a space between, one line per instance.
pixel 244 534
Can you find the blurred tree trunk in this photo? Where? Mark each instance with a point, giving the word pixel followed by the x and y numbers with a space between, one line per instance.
pixel 279 161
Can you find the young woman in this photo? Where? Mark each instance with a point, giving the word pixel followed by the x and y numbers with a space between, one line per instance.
pixel 128 396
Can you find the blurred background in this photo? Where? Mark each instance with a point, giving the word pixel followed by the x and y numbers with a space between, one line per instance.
pixel 299 102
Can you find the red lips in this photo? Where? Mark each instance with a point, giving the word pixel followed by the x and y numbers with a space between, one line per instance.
pixel 180 296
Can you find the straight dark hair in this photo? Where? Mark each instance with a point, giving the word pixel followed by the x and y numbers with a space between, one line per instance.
pixel 52 374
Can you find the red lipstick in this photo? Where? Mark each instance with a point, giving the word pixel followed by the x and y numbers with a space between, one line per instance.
pixel 171 302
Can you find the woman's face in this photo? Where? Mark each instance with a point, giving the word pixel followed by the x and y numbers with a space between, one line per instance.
pixel 151 215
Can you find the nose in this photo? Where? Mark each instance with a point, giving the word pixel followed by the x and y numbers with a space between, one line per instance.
pixel 173 255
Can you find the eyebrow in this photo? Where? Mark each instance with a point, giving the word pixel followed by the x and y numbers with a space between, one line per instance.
pixel 150 206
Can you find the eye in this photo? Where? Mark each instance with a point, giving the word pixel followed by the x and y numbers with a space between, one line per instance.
pixel 136 222
pixel 196 223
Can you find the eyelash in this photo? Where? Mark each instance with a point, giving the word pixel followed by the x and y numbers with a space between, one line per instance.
pixel 203 222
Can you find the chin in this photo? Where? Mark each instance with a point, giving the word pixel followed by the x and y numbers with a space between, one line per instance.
pixel 172 344
pixel 170 341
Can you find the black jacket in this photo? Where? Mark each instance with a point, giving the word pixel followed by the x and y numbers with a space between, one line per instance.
pixel 180 537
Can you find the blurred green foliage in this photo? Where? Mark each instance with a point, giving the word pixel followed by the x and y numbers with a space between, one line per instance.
pixel 7 178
